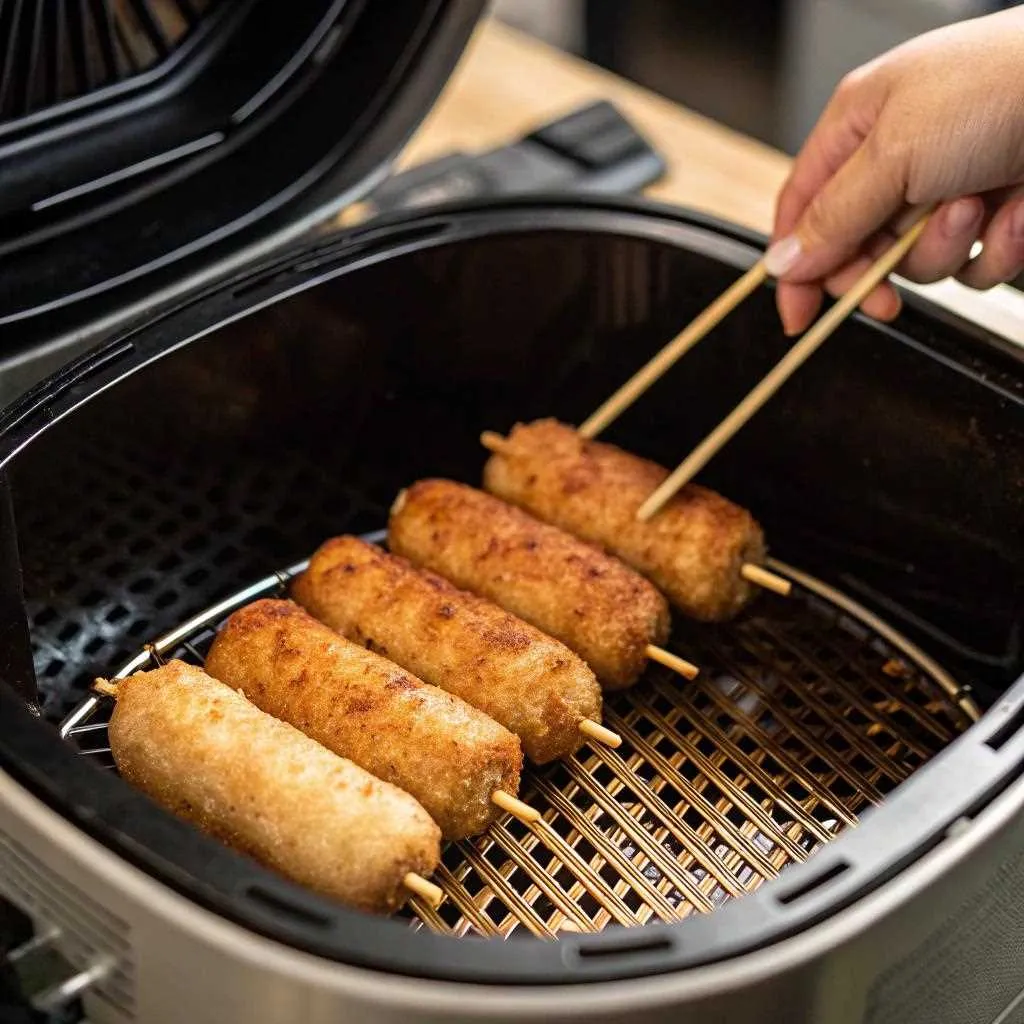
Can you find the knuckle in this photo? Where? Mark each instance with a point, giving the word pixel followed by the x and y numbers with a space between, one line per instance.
pixel 886 143
pixel 889 153
pixel 868 80
pixel 859 79
pixel 850 84
pixel 817 218
pixel 847 86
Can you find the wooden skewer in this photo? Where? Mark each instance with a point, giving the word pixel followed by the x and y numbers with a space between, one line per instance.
pixel 599 734
pixel 494 442
pixel 432 895
pixel 507 802
pixel 769 580
pixel 757 574
pixel 675 350
pixel 685 668
pixel 781 372
pixel 416 884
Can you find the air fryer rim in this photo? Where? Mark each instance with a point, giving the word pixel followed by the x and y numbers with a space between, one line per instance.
pixel 963 779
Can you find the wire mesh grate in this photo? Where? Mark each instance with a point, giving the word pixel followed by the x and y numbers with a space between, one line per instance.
pixel 807 711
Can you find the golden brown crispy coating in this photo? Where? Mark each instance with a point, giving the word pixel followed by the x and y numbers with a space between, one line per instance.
pixel 595 605
pixel 693 549
pixel 201 750
pixel 448 755
pixel 524 679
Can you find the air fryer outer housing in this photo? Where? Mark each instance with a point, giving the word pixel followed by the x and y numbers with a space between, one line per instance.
pixel 512 311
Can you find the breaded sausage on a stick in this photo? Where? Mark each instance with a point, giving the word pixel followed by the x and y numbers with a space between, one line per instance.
pixel 530 683
pixel 700 550
pixel 205 753
pixel 451 757
pixel 612 617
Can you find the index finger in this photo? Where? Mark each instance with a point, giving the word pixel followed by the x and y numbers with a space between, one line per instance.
pixel 840 131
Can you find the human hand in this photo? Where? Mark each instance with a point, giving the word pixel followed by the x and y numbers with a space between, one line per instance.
pixel 937 121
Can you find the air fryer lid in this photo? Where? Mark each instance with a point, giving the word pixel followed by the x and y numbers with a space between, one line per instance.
pixel 249 127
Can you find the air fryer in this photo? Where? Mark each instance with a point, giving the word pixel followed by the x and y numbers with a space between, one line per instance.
pixel 825 826
pixel 187 463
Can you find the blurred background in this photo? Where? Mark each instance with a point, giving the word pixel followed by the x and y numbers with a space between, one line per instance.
pixel 764 67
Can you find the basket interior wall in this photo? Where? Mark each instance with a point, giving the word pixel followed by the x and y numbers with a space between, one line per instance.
pixel 892 466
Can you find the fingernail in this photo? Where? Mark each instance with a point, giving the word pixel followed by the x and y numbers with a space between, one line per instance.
pixel 961 215
pixel 790 327
pixel 785 324
pixel 782 256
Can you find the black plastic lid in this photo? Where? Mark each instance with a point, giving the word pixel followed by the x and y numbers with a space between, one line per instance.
pixel 266 118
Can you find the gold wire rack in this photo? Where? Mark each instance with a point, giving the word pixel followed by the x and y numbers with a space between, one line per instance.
pixel 808 710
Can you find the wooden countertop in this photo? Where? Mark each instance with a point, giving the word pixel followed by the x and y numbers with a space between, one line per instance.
pixel 508 84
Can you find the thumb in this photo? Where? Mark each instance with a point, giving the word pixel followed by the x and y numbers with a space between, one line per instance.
pixel 862 197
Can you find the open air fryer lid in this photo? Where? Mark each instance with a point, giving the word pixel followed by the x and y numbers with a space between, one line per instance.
pixel 148 147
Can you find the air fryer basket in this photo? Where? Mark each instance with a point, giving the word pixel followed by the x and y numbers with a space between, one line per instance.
pixel 226 440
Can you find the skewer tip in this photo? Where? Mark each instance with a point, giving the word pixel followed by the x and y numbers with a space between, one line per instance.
pixel 494 442
pixel 507 802
pixel 769 580
pixel 685 668
pixel 427 891
pixel 599 734
pixel 651 507
pixel 399 503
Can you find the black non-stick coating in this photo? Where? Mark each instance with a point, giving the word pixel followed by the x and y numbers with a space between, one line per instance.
pixel 297 402
pixel 270 117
